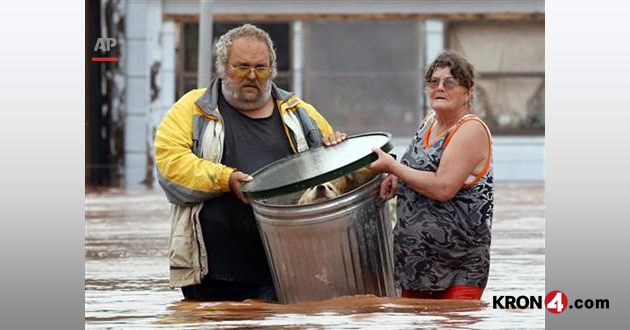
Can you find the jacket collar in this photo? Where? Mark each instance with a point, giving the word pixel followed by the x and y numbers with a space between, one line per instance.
pixel 208 101
pixel 280 94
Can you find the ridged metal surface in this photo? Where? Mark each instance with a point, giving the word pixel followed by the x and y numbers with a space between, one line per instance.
pixel 331 249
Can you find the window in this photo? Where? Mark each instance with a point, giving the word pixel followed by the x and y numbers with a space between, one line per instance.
pixel 365 76
pixel 188 50
pixel 510 60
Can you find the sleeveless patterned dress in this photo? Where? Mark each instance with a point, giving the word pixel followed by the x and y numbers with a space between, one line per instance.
pixel 441 244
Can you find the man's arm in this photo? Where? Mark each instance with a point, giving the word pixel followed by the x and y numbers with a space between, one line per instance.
pixel 322 123
pixel 186 178
pixel 329 136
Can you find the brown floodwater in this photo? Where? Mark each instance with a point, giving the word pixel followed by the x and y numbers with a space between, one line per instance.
pixel 126 277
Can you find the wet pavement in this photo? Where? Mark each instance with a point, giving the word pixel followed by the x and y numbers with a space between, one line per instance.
pixel 126 277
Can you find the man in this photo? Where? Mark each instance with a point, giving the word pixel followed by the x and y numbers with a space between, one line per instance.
pixel 206 146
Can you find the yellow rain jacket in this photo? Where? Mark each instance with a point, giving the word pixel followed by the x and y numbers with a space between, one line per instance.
pixel 188 151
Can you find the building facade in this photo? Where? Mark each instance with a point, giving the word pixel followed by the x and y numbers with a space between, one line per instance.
pixel 360 63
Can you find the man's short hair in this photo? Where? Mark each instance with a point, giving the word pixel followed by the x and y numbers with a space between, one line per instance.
pixel 244 31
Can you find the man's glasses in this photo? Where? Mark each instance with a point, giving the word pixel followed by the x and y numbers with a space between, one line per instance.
pixel 242 71
pixel 449 83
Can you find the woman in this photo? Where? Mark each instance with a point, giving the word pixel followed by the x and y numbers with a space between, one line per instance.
pixel 445 197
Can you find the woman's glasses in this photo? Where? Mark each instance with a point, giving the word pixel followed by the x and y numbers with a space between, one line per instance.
pixel 449 83
pixel 242 71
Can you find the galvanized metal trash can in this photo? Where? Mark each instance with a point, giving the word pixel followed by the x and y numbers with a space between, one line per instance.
pixel 339 247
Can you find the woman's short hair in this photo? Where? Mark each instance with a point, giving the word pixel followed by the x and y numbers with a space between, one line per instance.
pixel 461 69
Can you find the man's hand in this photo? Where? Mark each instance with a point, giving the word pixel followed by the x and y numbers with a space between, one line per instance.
pixel 236 179
pixel 334 138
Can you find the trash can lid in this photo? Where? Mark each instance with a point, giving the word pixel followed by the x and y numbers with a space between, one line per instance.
pixel 316 165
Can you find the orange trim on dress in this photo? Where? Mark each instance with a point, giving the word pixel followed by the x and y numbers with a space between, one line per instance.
pixel 427 133
pixel 486 167
pixel 425 121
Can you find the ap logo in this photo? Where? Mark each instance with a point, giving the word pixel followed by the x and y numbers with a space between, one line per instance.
pixel 105 44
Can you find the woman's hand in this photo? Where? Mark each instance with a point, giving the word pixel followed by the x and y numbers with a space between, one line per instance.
pixel 384 163
pixel 389 187
pixel 334 138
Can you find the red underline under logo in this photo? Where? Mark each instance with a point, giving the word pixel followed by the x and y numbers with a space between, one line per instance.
pixel 104 59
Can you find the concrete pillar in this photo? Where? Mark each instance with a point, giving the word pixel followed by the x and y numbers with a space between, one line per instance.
pixel 143 26
pixel 421 101
pixel 167 95
pixel 137 94
pixel 298 58
pixel 434 44
pixel 204 68
pixel 434 30
pixel 156 68
pixel 166 83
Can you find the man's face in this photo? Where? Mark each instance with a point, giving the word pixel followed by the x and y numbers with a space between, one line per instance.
pixel 250 91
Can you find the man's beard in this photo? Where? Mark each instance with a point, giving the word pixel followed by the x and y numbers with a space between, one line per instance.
pixel 238 101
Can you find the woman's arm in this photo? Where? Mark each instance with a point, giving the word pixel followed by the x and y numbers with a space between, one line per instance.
pixel 466 152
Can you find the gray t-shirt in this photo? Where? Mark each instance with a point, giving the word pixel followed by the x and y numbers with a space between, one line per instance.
pixel 233 243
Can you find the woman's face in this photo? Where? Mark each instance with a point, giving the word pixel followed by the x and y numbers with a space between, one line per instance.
pixel 445 92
